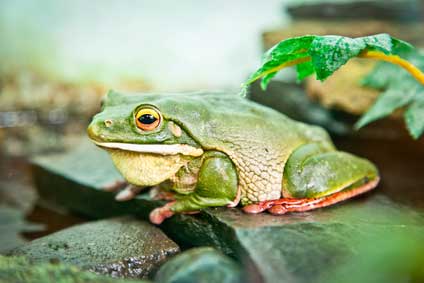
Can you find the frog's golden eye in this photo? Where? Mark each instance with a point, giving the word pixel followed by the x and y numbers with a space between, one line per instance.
pixel 147 119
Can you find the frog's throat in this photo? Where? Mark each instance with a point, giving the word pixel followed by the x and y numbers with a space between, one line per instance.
pixel 163 149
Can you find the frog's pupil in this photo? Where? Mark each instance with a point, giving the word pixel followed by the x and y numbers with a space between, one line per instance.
pixel 147 119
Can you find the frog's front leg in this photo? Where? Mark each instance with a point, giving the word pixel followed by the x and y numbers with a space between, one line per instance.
pixel 216 186
pixel 316 176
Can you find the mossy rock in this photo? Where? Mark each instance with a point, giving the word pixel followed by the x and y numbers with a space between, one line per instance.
pixel 20 269
pixel 121 247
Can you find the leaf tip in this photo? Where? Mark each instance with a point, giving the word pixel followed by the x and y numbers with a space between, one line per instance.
pixel 264 85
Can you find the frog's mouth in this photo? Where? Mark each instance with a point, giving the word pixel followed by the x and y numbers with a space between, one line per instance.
pixel 162 149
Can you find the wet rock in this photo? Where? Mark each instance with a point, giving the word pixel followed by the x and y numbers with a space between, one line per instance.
pixel 76 179
pixel 199 265
pixel 297 247
pixel 120 247
pixel 12 268
pixel 12 224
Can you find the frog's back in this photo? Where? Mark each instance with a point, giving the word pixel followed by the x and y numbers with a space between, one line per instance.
pixel 258 139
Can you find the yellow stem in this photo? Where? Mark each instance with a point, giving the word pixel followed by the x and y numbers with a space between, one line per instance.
pixel 279 67
pixel 394 59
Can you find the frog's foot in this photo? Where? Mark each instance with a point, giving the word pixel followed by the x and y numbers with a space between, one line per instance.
pixel 158 215
pixel 284 205
pixel 128 193
pixel 156 193
pixel 115 186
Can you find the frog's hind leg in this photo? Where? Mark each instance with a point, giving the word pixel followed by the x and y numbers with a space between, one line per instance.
pixel 315 177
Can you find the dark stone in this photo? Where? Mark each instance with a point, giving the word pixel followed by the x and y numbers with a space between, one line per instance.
pixel 120 247
pixel 19 269
pixel 392 10
pixel 298 247
pixel 76 179
pixel 199 265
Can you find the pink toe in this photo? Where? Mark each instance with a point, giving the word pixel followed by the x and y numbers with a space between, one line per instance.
pixel 253 208
pixel 155 217
pixel 124 195
pixel 277 210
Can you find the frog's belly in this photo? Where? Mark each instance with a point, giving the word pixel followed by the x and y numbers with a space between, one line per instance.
pixel 146 169
pixel 260 179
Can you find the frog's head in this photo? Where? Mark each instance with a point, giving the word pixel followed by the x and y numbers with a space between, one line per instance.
pixel 148 146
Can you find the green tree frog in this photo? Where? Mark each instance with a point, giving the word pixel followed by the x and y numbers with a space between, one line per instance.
pixel 208 149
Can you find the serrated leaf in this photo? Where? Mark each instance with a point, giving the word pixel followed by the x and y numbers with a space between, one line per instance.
pixel 380 77
pixel 324 55
pixel 381 42
pixel 289 46
pixel 385 104
pixel 283 52
pixel 401 47
pixel 398 83
pixel 414 117
pixel 329 53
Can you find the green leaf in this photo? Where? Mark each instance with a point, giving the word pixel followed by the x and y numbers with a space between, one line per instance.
pixel 414 117
pixel 386 103
pixel 274 63
pixel 400 90
pixel 266 79
pixel 304 70
pixel 380 77
pixel 401 47
pixel 380 42
pixel 324 55
pixel 327 53
pixel 289 46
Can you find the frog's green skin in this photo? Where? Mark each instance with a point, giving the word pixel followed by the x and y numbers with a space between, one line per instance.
pixel 220 149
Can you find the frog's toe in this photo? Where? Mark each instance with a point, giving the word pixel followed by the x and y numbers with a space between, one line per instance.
pixel 156 193
pixel 277 210
pixel 128 193
pixel 115 186
pixel 254 208
pixel 158 215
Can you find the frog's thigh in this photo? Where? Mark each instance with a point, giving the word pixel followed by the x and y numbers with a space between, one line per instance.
pixel 216 185
pixel 313 171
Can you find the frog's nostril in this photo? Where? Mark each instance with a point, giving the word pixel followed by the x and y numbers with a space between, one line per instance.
pixel 108 122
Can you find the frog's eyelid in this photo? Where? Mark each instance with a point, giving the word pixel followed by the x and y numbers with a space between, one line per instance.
pixel 144 111
pixel 148 106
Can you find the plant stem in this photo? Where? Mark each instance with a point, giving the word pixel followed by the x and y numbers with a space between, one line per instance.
pixel 394 59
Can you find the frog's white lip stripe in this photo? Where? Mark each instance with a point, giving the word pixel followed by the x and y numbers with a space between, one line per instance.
pixel 163 149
